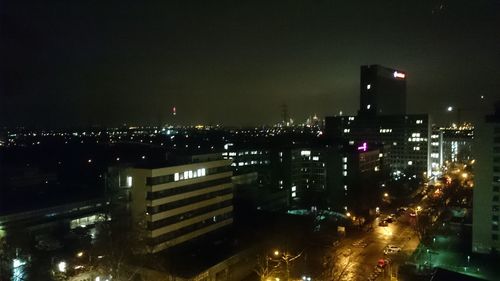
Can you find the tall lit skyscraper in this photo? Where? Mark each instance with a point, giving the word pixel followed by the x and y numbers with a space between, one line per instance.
pixel 382 91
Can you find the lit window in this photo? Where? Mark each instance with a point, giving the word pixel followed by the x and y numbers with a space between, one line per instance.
pixel 294 188
pixel 410 163
pixel 203 171
pixel 186 175
pixel 345 166
pixel 368 86
pixel 176 176
pixel 345 187
pixel 305 153
pixel 315 158
pixel 344 159
pixel 344 173
pixel 129 181
pixel 294 194
pixel 368 106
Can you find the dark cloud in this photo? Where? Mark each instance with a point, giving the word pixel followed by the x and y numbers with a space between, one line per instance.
pixel 236 62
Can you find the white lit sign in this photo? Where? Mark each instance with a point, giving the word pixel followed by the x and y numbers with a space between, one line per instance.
pixel 305 153
pixel 399 75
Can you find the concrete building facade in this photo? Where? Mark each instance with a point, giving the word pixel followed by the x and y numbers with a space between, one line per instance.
pixel 183 201
pixel 486 199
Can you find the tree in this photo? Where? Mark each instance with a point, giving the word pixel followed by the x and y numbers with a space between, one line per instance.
pixel 423 224
pixel 117 243
pixel 265 269
pixel 5 260
pixel 337 265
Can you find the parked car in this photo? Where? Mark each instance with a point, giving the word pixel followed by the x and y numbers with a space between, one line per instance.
pixel 382 263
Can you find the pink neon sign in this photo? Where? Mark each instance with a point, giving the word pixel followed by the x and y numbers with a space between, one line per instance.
pixel 364 147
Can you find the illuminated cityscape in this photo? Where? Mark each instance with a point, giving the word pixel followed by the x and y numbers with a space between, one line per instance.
pixel 247 141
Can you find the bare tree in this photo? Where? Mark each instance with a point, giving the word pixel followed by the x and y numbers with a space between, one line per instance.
pixel 266 268
pixel 117 243
pixel 337 265
pixel 423 224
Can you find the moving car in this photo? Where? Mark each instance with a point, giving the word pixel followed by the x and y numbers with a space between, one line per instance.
pixel 391 249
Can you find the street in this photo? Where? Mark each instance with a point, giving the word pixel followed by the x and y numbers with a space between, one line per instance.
pixel 364 250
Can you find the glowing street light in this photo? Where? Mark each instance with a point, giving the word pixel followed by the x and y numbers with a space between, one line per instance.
pixel 386 194
pixel 287 258
pixel 61 266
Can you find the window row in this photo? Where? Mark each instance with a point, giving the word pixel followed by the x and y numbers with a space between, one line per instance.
pixel 185 188
pixel 184 202
pixel 190 228
pixel 188 215
pixel 190 174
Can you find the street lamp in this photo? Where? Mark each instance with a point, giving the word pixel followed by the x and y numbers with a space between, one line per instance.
pixel 287 258
pixel 61 266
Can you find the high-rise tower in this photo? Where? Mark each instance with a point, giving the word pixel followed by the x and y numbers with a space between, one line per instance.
pixel 382 91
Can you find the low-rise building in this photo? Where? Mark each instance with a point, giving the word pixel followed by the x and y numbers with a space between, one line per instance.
pixel 183 200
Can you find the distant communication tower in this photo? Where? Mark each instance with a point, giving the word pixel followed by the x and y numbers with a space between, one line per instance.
pixel 284 112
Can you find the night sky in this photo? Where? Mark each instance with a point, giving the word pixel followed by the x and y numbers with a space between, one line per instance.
pixel 79 63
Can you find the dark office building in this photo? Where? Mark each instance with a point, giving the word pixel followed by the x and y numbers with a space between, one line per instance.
pixel 382 91
pixel 405 138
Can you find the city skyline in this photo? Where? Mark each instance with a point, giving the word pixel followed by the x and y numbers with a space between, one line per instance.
pixel 237 64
